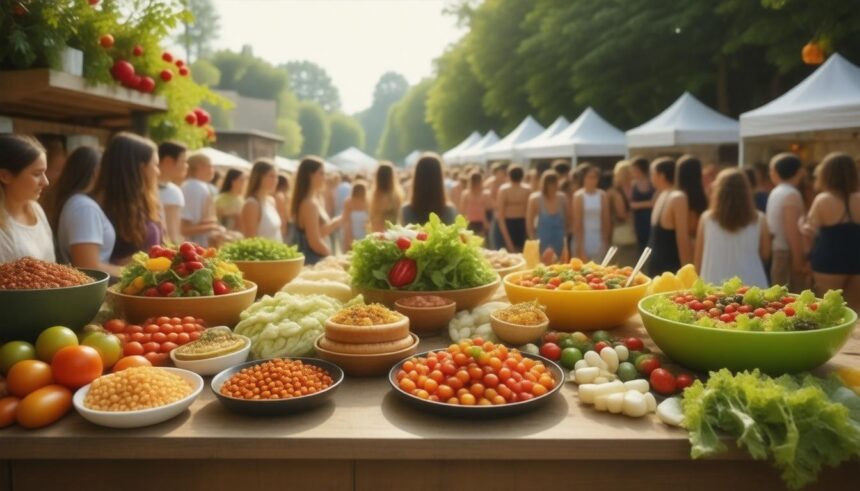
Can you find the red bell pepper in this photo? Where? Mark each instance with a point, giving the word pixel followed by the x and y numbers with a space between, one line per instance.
pixel 403 272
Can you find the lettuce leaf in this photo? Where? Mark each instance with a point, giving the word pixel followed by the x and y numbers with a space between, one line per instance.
pixel 732 285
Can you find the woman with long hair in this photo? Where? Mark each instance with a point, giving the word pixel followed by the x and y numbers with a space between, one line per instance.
pixel 623 229
pixel 24 228
pixel 689 181
pixel 260 217
pixel 592 221
pixel 732 237
pixel 85 236
pixel 473 204
pixel 355 215
pixel 641 200
pixel 231 197
pixel 282 201
pixel 313 225
pixel 386 197
pixel 668 240
pixel 428 193
pixel 546 216
pixel 127 191
pixel 834 224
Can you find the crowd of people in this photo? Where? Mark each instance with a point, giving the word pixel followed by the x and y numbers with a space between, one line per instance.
pixel 769 223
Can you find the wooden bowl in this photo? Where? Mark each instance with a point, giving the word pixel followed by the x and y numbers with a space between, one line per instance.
pixel 427 320
pixel 270 276
pixel 512 269
pixel 466 299
pixel 366 365
pixel 216 310
pixel 517 334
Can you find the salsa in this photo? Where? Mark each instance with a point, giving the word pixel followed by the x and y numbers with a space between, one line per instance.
pixel 577 275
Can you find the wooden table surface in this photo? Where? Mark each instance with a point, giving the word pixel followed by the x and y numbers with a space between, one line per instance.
pixel 365 421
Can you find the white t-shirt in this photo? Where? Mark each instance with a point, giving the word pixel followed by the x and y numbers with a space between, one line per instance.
pixel 82 221
pixel 170 195
pixel 270 221
pixel 775 207
pixel 198 202
pixel 19 240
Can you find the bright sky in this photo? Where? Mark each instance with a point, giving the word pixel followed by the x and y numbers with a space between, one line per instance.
pixel 356 41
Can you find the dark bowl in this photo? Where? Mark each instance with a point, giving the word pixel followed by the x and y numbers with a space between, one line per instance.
pixel 26 313
pixel 457 411
pixel 277 407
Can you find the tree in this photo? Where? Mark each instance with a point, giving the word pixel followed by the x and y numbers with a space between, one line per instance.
pixel 291 131
pixel 205 73
pixel 310 82
pixel 315 128
pixel 389 142
pixel 390 88
pixel 407 128
pixel 200 31
pixel 346 132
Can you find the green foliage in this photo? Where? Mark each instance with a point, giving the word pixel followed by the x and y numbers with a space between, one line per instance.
pixel 200 29
pixel 291 131
pixel 205 73
pixel 310 82
pixel 249 75
pixel 389 143
pixel 390 88
pixel 315 129
pixel 407 128
pixel 346 132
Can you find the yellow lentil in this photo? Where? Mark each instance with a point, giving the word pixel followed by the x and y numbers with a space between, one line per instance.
pixel 136 388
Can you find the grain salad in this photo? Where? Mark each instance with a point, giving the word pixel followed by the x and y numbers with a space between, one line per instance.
pixel 136 388
pixel 366 315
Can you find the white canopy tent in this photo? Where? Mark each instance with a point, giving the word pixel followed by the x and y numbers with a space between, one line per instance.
pixel 354 161
pixel 286 165
pixel 588 136
pixel 823 109
pixel 504 149
pixel 451 155
pixel 475 153
pixel 412 159
pixel 686 122
pixel 551 131
pixel 224 160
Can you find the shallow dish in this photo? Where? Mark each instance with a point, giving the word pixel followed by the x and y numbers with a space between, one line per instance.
pixel 366 365
pixel 275 407
pixel 216 310
pixel 478 411
pixel 211 366
pixel 270 276
pixel 579 310
pixel 143 417
pixel 775 353
pixel 428 320
pixel 517 334
pixel 466 299
pixel 519 266
pixel 26 313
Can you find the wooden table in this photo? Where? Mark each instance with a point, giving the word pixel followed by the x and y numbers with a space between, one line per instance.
pixel 369 440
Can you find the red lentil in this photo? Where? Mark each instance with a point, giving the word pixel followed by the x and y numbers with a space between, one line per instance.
pixel 32 274
pixel 279 378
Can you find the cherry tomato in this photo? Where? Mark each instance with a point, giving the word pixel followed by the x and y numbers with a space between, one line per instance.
pixel 550 337
pixel 166 288
pixel 115 325
pixel 600 345
pixel 168 347
pixel 8 408
pixel 647 364
pixel 634 344
pixel 76 366
pixel 157 359
pixel 551 351
pixel 28 376
pixel 131 361
pixel 403 243
pixel 662 381
pixel 133 348
pixel 44 406
pixel 219 287
pixel 683 381
pixel 421 236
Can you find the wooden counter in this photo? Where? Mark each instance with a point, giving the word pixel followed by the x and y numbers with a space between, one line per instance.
pixel 368 439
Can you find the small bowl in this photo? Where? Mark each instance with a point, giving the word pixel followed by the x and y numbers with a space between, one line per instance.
pixel 517 334
pixel 428 320
pixel 275 407
pixel 26 313
pixel 271 276
pixel 216 310
pixel 211 366
pixel 521 265
pixel 142 417
pixel 366 365
pixel 466 298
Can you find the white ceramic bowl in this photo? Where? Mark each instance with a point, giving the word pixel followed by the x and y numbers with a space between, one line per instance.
pixel 211 366
pixel 143 417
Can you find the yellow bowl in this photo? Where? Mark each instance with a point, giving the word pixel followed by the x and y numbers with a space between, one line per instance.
pixel 270 276
pixel 580 310
pixel 216 310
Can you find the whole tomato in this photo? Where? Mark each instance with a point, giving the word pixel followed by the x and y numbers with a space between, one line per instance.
pixel 551 351
pixel 8 410
pixel 131 361
pixel 662 381
pixel 44 407
pixel 403 272
pixel 28 376
pixel 76 366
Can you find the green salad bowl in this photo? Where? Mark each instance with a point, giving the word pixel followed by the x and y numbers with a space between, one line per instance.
pixel 774 353
pixel 26 313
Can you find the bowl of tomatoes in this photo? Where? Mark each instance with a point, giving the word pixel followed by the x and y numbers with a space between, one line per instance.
pixel 741 328
pixel 579 296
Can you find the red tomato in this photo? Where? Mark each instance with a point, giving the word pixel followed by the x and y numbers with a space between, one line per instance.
pixel 45 406
pixel 115 325
pixel 183 338
pixel 647 364
pixel 168 347
pixel 27 376
pixel 157 359
pixel 600 345
pixel 403 243
pixel 551 351
pixel 133 348
pixel 634 344
pixel 131 361
pixel 220 288
pixel 76 366
pixel 8 408
pixel 662 381
pixel 683 381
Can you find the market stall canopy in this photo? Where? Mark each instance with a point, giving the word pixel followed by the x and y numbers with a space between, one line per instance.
pixel 353 160
pixel 504 148
pixel 686 122
pixel 539 141
pixel 827 99
pixel 224 160
pixel 451 155
pixel 412 159
pixel 588 136
pixel 475 153
pixel 286 165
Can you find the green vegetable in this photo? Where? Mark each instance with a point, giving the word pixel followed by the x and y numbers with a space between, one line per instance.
pixel 801 423
pixel 258 249
pixel 286 325
pixel 449 258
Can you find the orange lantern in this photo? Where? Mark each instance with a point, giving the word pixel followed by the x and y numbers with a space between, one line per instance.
pixel 812 53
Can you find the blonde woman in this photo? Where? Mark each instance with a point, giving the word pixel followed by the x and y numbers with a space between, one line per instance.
pixel 623 231
pixel 386 198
